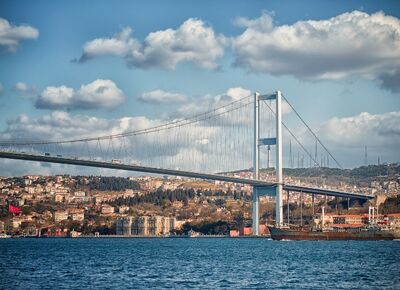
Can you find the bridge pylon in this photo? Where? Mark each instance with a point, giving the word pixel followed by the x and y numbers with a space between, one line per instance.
pixel 258 142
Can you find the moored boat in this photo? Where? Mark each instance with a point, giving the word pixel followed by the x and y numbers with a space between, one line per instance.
pixel 360 233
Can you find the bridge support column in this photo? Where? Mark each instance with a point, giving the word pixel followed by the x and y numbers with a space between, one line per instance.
pixel 288 208
pixel 256 163
pixel 256 215
pixel 279 164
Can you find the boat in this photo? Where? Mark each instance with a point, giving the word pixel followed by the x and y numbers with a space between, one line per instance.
pixel 193 234
pixel 335 233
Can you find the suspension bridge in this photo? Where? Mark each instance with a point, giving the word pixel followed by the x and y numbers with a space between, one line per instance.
pixel 240 134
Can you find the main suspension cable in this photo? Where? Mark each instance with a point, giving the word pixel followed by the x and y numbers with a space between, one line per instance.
pixel 312 132
pixel 174 124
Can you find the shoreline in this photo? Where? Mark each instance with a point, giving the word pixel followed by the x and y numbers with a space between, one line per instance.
pixel 141 237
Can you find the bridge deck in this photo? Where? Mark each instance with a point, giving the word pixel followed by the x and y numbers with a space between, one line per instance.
pixel 137 168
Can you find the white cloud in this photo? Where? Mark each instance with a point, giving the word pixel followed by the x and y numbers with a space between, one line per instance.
pixel 380 130
pixel 350 44
pixel 263 23
pixel 60 126
pixel 11 35
pixel 197 146
pixel 208 102
pixel 194 42
pixel 97 94
pixel 25 89
pixel 152 149
pixel 347 137
pixel 118 45
pixel 237 93
pixel 160 96
pixel 202 146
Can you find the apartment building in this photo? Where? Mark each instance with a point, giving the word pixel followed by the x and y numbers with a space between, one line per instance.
pixel 145 225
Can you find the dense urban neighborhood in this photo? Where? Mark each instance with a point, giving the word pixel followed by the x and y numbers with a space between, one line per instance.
pixel 60 206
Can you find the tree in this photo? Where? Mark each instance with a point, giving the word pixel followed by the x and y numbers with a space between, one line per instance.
pixel 220 202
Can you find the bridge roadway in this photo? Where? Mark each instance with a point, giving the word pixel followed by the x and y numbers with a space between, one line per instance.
pixel 110 165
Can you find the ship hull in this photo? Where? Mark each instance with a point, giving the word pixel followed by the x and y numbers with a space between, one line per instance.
pixel 291 234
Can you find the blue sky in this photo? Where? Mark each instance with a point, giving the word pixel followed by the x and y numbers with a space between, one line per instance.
pixel 326 92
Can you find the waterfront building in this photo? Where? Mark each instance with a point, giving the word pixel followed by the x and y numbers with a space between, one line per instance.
pixel 140 226
pixel 246 231
pixel 393 219
pixel 233 233
pixel 123 226
pixel 145 225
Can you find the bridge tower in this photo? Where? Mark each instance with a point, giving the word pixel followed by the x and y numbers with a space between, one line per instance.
pixel 258 142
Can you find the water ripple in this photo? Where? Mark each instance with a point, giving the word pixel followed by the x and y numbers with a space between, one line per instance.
pixel 197 263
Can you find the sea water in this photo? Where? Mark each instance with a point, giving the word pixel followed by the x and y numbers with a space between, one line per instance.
pixel 213 263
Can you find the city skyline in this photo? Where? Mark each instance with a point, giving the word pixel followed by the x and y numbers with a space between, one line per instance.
pixel 100 72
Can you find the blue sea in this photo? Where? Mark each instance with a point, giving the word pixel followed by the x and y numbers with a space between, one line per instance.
pixel 207 263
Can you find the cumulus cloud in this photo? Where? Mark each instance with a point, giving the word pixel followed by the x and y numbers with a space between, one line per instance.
pixel 187 145
pixel 379 130
pixel 118 45
pixel 350 44
pixel 11 35
pixel 208 102
pixel 151 149
pixel 194 42
pixel 97 94
pixel 347 137
pixel 160 96
pixel 201 146
pixel 25 89
pixel 61 125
